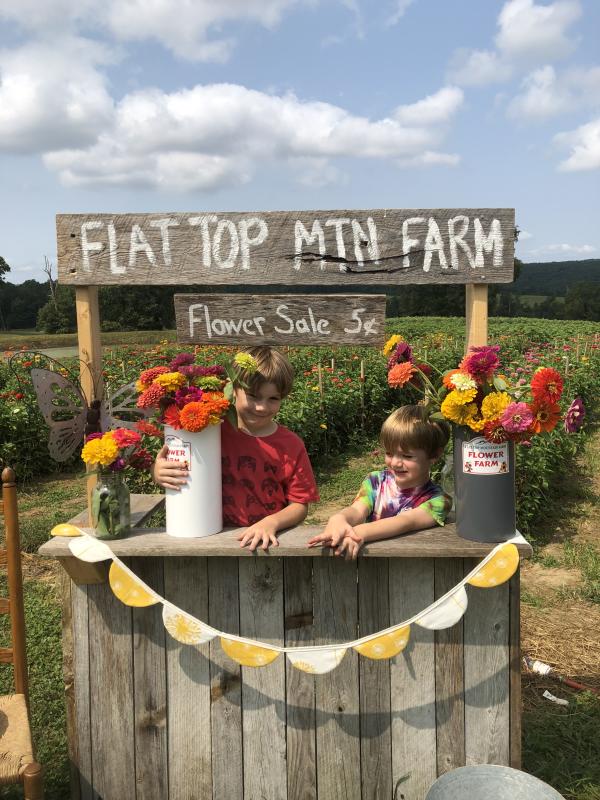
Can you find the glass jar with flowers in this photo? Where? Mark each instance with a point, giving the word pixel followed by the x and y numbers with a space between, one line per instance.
pixel 112 453
pixel 191 400
pixel 489 416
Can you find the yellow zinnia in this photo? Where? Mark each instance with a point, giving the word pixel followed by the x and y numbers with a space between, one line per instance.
pixel 100 451
pixel 391 343
pixel 494 404
pixel 246 362
pixel 171 381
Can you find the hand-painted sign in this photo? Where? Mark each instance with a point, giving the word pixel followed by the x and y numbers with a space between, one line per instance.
pixel 280 319
pixel 302 248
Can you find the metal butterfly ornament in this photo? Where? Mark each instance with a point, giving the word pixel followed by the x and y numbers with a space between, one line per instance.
pixel 65 409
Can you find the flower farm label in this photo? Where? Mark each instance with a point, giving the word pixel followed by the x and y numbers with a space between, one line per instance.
pixel 180 452
pixel 481 457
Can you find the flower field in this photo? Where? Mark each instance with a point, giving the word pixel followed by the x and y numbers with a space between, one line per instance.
pixel 341 394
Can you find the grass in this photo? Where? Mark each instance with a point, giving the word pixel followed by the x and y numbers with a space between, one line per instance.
pixel 34 340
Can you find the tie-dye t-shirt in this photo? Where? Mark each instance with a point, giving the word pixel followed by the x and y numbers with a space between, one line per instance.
pixel 380 493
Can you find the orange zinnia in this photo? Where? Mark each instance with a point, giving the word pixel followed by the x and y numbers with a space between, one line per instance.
pixel 447 379
pixel 194 416
pixel 400 374
pixel 545 417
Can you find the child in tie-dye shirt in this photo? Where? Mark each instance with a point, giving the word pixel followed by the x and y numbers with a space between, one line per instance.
pixel 400 498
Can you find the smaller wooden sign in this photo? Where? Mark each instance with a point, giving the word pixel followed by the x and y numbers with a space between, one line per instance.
pixel 280 319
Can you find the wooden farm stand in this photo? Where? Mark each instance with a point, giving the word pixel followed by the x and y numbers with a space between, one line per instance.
pixel 150 718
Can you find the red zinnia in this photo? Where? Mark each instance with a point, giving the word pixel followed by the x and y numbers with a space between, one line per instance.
pixel 494 432
pixel 171 416
pixel 125 438
pixel 545 417
pixel 546 385
pixel 143 426
pixel 400 374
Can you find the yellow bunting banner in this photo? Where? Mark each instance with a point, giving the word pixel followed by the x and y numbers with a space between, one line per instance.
pixel 496 568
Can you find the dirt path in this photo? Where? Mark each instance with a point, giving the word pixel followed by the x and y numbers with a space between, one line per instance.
pixel 560 609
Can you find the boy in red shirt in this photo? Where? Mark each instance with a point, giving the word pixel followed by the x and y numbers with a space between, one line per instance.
pixel 267 479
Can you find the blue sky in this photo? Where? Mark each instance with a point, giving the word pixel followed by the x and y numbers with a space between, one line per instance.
pixel 233 105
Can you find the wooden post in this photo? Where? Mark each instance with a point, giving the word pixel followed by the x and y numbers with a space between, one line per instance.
pixel 90 353
pixel 476 308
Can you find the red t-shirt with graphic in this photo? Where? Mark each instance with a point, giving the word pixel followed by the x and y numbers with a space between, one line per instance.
pixel 263 474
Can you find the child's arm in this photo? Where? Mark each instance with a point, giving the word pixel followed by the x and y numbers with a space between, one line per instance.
pixel 341 526
pixel 415 519
pixel 264 533
pixel 168 474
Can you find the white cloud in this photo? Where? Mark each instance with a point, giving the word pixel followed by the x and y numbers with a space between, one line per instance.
pixel 219 134
pixel 584 144
pixel 528 33
pixel 430 159
pixel 565 249
pixel 546 94
pixel 52 95
pixel 401 7
pixel 532 31
pixel 524 235
pixel 478 68
pixel 191 30
pixel 434 108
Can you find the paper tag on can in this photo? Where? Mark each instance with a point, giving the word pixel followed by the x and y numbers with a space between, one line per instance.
pixel 180 452
pixel 480 457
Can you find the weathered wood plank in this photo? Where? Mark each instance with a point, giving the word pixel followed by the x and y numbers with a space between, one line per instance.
pixel 412 673
pixel 291 248
pixel 263 689
pixel 476 315
pixel 337 698
pixel 374 676
pixel 300 686
pixel 225 682
pixel 438 542
pixel 150 688
pixel 514 644
pixel 111 694
pixel 188 686
pixel 78 694
pixel 284 319
pixel 449 676
pixel 486 633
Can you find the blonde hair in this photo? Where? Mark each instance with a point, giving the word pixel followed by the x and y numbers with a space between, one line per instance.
pixel 273 367
pixel 410 428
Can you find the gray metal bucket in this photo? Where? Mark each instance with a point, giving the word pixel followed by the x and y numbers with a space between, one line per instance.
pixel 490 782
pixel 484 487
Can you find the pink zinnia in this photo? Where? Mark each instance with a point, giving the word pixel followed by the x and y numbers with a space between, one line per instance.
pixel 481 362
pixel 402 353
pixel 149 374
pixel 151 396
pixel 516 418
pixel 575 416
pixel 200 372
pixel 181 360
pixel 188 394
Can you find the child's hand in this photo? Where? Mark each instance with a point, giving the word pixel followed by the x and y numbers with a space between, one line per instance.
pixel 337 530
pixel 262 533
pixel 350 546
pixel 168 474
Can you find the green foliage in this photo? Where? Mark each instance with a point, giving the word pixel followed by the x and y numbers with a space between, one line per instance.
pixel 561 745
pixel 58 315
pixel 44 656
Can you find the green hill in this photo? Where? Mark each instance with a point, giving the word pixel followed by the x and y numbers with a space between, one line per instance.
pixel 555 277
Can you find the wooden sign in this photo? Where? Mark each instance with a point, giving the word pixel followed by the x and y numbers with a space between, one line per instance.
pixel 288 248
pixel 280 319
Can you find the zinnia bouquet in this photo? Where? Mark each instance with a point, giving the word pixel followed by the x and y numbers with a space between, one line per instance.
pixel 189 396
pixel 116 450
pixel 478 396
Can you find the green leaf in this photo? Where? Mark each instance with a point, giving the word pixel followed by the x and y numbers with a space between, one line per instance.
pixel 231 415
pixel 500 384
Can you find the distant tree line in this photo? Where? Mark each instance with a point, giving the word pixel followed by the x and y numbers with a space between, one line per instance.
pixel 50 307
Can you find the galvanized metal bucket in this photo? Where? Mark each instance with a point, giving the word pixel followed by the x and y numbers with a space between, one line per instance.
pixel 487 781
pixel 484 486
